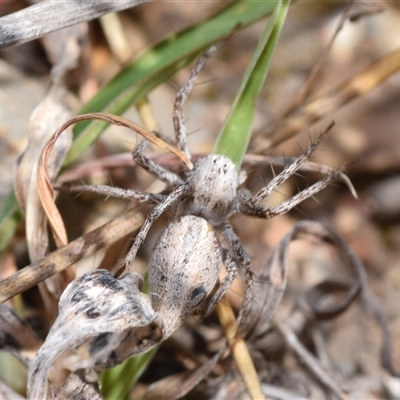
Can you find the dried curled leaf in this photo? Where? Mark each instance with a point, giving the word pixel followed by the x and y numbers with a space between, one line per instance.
pixel 64 49
pixel 78 388
pixel 51 112
pixel 92 306
pixel 326 299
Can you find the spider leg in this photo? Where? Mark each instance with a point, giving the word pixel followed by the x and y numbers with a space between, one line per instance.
pixel 169 201
pixel 264 212
pixel 177 114
pixel 155 169
pixel 232 270
pixel 244 261
pixel 287 172
pixel 110 191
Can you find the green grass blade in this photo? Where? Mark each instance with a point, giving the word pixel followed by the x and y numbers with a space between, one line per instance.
pixel 10 218
pixel 161 62
pixel 235 134
pixel 117 382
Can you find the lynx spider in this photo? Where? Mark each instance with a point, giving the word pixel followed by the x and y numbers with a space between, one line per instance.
pixel 210 194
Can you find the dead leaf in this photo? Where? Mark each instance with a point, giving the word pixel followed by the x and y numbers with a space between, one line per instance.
pixel 95 305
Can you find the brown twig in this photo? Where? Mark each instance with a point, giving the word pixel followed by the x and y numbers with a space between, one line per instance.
pixel 65 256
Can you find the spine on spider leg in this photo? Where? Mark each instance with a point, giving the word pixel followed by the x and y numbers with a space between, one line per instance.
pixel 111 191
pixel 287 172
pixel 303 195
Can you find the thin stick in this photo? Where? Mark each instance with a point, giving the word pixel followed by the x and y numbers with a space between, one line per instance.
pixel 116 38
pixel 320 63
pixel 147 115
pixel 240 351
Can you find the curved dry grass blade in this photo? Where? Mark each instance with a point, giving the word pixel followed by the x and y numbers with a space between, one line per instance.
pixel 351 89
pixel 46 192
pixel 62 258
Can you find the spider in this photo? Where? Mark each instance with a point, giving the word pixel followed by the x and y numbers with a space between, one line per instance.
pixel 210 194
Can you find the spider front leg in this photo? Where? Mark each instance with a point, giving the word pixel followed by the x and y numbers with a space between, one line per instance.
pixel 177 115
pixel 250 205
pixel 287 172
pixel 265 212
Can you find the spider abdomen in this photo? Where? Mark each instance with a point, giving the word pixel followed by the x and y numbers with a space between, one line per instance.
pixel 183 269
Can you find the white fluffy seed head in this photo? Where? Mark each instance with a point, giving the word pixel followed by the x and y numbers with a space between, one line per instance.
pixel 214 183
